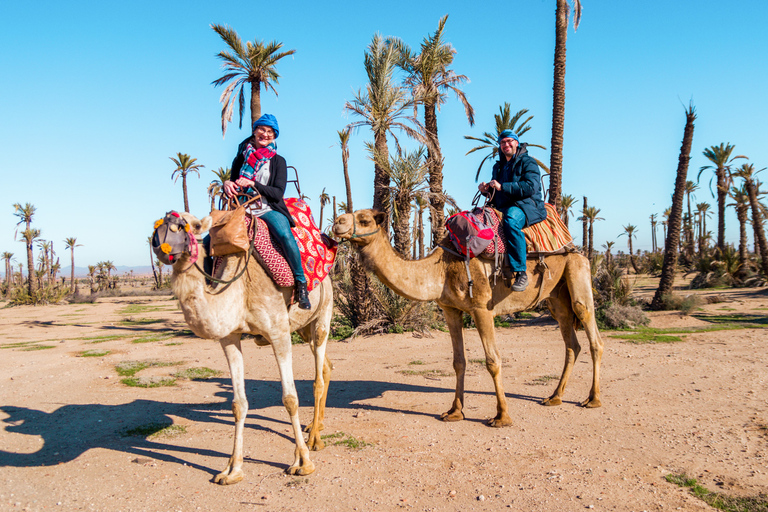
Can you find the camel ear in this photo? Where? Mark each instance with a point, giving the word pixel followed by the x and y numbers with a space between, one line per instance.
pixel 380 218
pixel 205 224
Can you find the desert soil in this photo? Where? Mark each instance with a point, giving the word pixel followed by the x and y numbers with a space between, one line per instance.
pixel 695 406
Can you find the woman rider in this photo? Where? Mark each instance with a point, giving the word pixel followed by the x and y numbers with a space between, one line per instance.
pixel 257 168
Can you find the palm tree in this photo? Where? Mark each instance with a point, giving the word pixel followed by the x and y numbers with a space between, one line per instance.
pixel 504 121
pixel 747 172
pixel 71 243
pixel 608 257
pixel 324 199
pixel 184 165
pixel 741 204
pixel 567 202
pixel 217 186
pixel 344 143
pixel 252 63
pixel 8 257
pixel 42 257
pixel 25 214
pixel 690 188
pixel 653 232
pixel 675 218
pixel 630 230
pixel 584 228
pixel 590 216
pixel 702 210
pixel 420 203
pixel 562 15
pixel 720 156
pixel 430 80
pixel 381 106
pixel 408 173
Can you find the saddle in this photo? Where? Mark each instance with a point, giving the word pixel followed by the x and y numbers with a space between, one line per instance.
pixel 549 236
pixel 318 251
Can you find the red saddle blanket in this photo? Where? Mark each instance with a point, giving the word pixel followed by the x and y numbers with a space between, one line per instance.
pixel 547 236
pixel 318 251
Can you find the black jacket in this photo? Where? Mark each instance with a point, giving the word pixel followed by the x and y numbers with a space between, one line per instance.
pixel 520 185
pixel 274 190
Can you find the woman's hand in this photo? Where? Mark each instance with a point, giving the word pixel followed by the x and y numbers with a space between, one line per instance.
pixel 244 182
pixel 230 188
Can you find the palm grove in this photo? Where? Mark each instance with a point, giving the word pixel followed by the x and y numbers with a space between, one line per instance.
pixel 402 98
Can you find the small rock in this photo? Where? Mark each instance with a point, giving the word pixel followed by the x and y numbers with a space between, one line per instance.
pixel 452 494
pixel 481 498
pixel 141 460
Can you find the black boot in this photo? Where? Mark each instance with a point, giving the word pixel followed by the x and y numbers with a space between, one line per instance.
pixel 302 295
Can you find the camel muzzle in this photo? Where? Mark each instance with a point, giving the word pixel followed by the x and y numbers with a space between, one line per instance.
pixel 170 238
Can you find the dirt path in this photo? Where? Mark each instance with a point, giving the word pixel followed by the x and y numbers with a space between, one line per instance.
pixel 695 406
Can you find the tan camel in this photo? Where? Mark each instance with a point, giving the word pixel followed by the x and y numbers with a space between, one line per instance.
pixel 442 277
pixel 254 305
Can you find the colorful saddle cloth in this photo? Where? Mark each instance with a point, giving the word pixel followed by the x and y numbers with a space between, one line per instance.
pixel 318 251
pixel 548 236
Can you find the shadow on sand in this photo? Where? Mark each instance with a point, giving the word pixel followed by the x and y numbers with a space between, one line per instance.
pixel 72 430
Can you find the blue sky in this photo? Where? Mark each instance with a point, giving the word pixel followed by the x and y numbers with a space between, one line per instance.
pixel 96 96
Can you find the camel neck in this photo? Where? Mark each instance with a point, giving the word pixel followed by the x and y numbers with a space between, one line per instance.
pixel 414 279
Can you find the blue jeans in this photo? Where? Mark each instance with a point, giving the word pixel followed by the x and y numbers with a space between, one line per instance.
pixel 280 229
pixel 513 222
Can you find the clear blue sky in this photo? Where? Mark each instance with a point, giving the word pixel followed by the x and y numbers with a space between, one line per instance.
pixel 96 96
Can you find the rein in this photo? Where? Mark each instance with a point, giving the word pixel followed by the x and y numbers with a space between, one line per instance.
pixel 355 235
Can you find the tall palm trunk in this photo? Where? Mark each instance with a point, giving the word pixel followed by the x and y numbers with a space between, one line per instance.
pixel 676 216
pixel 757 225
pixel 380 177
pixel 255 102
pixel 584 229
pixel 742 213
pixel 558 105
pixel 401 230
pixel 184 188
pixel 435 166
pixel 72 286
pixel 722 194
pixel 591 240
pixel 347 185
pixel 30 268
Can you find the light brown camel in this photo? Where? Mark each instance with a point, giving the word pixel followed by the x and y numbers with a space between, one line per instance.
pixel 254 305
pixel 442 277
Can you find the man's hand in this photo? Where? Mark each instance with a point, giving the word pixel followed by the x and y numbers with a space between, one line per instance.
pixel 495 185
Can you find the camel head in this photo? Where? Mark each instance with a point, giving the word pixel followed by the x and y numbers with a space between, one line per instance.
pixel 358 227
pixel 174 235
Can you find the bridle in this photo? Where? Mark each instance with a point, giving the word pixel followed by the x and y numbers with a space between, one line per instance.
pixel 354 234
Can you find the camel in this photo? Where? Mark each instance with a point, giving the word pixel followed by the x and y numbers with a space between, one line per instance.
pixel 564 280
pixel 254 305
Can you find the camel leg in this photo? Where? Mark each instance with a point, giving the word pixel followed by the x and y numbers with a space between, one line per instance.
pixel 560 307
pixel 583 304
pixel 320 386
pixel 484 322
pixel 283 353
pixel 233 473
pixel 455 327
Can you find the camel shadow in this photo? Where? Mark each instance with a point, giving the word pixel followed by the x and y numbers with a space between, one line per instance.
pixel 72 430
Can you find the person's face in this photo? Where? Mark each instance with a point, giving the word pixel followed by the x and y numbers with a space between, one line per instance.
pixel 263 135
pixel 508 147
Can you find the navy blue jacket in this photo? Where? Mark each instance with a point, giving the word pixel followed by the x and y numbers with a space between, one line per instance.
pixel 274 190
pixel 520 185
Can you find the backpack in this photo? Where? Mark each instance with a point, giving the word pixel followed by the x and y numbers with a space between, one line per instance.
pixel 469 232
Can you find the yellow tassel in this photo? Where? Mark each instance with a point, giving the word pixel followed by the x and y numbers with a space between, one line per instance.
pixel 158 223
pixel 186 227
pixel 166 248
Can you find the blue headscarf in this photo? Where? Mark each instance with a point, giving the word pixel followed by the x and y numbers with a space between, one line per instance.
pixel 507 134
pixel 267 120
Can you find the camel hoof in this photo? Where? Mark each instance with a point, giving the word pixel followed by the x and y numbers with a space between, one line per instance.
pixel 229 478
pixel 553 400
pixel 452 416
pixel 315 443
pixel 309 427
pixel 306 469
pixel 502 421
pixel 591 403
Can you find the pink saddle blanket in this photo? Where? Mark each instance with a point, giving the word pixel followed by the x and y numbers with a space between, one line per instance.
pixel 318 251
pixel 548 236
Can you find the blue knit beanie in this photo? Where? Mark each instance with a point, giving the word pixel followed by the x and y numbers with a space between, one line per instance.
pixel 507 134
pixel 267 120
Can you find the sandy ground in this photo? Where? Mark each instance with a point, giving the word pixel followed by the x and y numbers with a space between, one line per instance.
pixel 696 406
